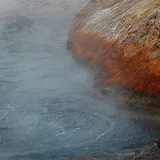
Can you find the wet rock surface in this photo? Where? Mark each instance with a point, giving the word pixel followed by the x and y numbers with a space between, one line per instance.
pixel 123 38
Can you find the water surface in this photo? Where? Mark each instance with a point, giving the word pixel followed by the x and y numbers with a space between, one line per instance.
pixel 49 107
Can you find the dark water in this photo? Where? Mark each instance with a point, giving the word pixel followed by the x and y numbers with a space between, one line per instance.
pixel 48 105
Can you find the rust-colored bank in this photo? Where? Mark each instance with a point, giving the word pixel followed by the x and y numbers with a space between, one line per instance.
pixel 122 36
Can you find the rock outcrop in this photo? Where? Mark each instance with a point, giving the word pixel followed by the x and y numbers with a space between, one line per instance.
pixel 123 37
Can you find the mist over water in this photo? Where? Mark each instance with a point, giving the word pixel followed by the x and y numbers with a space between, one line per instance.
pixel 49 107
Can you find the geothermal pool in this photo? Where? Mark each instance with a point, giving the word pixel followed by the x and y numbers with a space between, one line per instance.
pixel 49 107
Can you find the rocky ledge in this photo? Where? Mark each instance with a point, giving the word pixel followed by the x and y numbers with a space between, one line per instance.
pixel 150 153
pixel 123 37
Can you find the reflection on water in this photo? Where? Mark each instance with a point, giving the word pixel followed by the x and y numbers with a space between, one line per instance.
pixel 49 107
